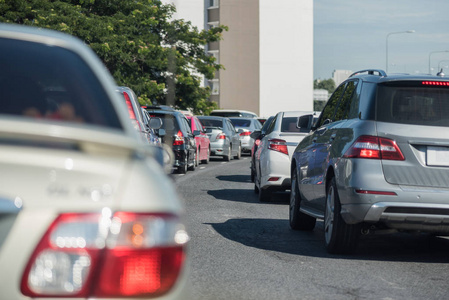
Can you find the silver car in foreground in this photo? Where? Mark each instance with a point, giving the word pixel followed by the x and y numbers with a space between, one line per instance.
pixel 378 158
pixel 85 210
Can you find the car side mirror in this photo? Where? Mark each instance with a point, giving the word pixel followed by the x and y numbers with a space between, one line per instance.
pixel 155 122
pixel 240 130
pixel 161 132
pixel 255 134
pixel 305 123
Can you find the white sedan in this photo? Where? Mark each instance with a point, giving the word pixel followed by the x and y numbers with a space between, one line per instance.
pixel 85 210
pixel 273 155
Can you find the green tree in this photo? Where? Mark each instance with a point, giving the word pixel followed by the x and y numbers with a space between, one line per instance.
pixel 326 84
pixel 137 41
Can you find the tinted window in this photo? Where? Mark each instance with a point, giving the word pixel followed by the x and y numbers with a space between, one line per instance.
pixel 271 125
pixel 343 108
pixel 329 109
pixel 413 103
pixel 241 122
pixel 212 123
pixel 51 83
pixel 169 122
pixel 289 124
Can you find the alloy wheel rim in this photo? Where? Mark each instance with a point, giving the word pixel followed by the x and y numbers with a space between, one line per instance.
pixel 329 218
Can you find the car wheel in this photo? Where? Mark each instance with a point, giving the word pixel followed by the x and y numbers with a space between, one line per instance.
pixel 252 175
pixel 183 169
pixel 228 157
pixel 206 161
pixel 264 195
pixel 298 219
pixel 256 187
pixel 197 157
pixel 193 166
pixel 239 153
pixel 339 237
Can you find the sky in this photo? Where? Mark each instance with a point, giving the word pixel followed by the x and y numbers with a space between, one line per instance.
pixel 352 35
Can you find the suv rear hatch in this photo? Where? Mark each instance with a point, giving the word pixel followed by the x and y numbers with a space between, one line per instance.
pixel 415 114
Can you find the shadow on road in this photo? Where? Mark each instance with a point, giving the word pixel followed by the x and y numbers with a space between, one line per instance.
pixel 276 235
pixel 235 178
pixel 248 196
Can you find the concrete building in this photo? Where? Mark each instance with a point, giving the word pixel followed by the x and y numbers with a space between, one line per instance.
pixel 267 52
pixel 320 95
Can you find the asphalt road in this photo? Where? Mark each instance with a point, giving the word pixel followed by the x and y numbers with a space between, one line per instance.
pixel 243 249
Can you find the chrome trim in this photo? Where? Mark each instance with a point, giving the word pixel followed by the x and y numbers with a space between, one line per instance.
pixel 377 213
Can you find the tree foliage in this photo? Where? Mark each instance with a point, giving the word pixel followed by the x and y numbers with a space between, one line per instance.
pixel 137 40
pixel 326 84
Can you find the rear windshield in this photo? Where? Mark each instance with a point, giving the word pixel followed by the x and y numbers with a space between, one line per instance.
pixel 413 103
pixel 226 114
pixel 289 124
pixel 169 122
pixel 51 83
pixel 211 123
pixel 241 122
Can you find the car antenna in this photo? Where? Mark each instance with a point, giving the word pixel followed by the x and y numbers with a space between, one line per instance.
pixel 441 73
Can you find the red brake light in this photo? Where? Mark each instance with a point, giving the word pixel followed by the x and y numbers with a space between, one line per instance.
pixel 257 142
pixel 221 136
pixel 436 83
pixel 278 145
pixel 105 255
pixel 179 139
pixel 129 105
pixel 245 133
pixel 374 147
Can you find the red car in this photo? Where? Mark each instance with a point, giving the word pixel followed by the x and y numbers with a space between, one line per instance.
pixel 202 140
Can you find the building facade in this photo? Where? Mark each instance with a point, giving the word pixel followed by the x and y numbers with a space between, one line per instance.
pixel 340 75
pixel 267 52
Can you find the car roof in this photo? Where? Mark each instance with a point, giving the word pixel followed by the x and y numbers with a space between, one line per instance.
pixel 380 76
pixel 297 113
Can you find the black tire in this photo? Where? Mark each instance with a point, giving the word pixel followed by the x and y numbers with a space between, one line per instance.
pixel 252 175
pixel 206 161
pixel 239 153
pixel 229 156
pixel 183 169
pixel 193 166
pixel 298 220
pixel 339 237
pixel 264 195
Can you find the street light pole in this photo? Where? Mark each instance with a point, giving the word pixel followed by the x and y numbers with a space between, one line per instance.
pixel 433 53
pixel 386 50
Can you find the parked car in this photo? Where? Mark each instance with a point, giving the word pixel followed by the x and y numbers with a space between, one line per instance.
pixel 86 211
pixel 233 113
pixel 224 138
pixel 257 135
pixel 245 126
pixel 202 140
pixel 272 158
pixel 179 135
pixel 376 159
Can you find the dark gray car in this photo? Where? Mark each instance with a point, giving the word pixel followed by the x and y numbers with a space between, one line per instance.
pixel 378 158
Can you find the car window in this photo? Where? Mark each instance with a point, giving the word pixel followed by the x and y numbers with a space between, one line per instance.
pixel 51 83
pixel 186 124
pixel 169 122
pixel 413 103
pixel 212 123
pixel 271 125
pixel 343 107
pixel 288 124
pixel 198 125
pixel 241 122
pixel 231 127
pixel 329 109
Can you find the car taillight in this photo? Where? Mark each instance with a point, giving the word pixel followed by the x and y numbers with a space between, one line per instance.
pixel 245 133
pixel 178 139
pixel 374 147
pixel 257 142
pixel 278 145
pixel 132 115
pixel 107 255
pixel 221 136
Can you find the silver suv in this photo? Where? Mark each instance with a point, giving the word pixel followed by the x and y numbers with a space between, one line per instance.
pixel 377 158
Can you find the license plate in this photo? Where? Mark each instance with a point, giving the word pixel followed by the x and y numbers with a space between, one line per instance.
pixel 438 156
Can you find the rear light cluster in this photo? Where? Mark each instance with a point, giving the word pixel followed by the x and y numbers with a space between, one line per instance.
pixel 107 255
pixel 278 145
pixel 436 83
pixel 132 115
pixel 178 139
pixel 374 147
pixel 245 133
pixel 221 136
